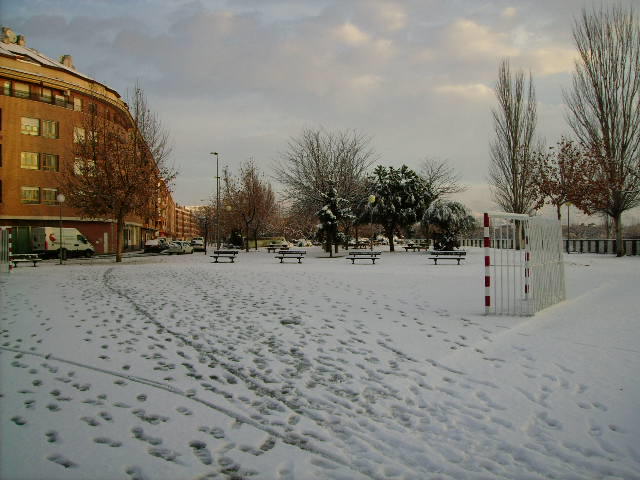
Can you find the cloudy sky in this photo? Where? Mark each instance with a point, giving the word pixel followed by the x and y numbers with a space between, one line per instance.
pixel 241 77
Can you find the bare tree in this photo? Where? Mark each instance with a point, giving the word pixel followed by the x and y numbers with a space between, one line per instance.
pixel 115 173
pixel 205 217
pixel 512 152
pixel 318 160
pixel 604 103
pixel 441 179
pixel 251 199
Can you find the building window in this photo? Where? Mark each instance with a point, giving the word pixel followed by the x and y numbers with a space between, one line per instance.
pixel 83 167
pixel 77 104
pixel 29 160
pixel 49 196
pixel 7 87
pixel 93 108
pixel 21 89
pixel 30 126
pixel 30 195
pixel 49 162
pixel 46 95
pixel 59 100
pixel 78 135
pixel 50 128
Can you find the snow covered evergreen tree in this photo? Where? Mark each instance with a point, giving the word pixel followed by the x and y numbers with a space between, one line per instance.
pixel 335 210
pixel 401 198
pixel 448 220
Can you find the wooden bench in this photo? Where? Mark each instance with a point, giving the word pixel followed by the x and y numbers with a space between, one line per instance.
pixel 456 255
pixel 370 255
pixel 230 254
pixel 274 248
pixel 287 253
pixel 25 258
pixel 415 247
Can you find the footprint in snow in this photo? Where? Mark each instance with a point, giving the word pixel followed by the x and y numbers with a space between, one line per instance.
pixel 201 452
pixel 107 441
pixel 61 460
pixel 135 473
pixel 19 420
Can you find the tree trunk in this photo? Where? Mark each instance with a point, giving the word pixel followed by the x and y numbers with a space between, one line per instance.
pixel 617 222
pixel 255 238
pixel 389 233
pixel 247 238
pixel 206 236
pixel 119 237
pixel 558 212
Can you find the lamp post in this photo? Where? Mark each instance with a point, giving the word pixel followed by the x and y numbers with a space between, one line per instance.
pixel 371 199
pixel 217 203
pixel 60 198
pixel 568 205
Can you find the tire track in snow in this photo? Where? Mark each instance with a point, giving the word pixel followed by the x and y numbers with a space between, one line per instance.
pixel 290 439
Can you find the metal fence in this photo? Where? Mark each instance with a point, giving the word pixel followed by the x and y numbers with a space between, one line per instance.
pixel 584 245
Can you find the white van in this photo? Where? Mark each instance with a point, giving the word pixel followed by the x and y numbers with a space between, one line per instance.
pixel 46 241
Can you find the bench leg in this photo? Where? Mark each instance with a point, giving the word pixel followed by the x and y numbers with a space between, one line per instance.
pixel 373 260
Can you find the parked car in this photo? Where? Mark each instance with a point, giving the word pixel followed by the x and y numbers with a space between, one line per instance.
pixel 178 247
pixel 198 244
pixel 156 245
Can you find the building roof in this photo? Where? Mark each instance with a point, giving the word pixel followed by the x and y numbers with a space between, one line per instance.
pixel 24 53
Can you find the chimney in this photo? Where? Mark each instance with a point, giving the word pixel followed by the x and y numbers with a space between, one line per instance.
pixel 22 41
pixel 67 61
pixel 8 36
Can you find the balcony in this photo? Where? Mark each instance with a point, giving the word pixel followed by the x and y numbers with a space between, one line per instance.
pixel 60 102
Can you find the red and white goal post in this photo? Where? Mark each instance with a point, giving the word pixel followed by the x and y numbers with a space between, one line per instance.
pixel 5 249
pixel 524 270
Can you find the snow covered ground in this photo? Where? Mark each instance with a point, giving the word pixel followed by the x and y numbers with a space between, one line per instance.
pixel 178 368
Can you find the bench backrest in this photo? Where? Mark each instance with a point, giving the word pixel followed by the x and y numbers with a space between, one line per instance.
pixel 293 252
pixel 365 253
pixel 225 252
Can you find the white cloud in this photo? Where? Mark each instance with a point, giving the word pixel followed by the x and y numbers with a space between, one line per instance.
pixel 365 83
pixel 552 60
pixel 392 16
pixel 474 91
pixel 351 35
pixel 472 40
pixel 509 12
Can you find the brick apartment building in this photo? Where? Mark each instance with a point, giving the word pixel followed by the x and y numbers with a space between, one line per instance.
pixel 41 105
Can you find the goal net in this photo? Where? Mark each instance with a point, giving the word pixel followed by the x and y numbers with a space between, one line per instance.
pixel 524 272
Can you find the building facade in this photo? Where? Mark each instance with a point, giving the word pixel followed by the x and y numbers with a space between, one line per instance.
pixel 41 107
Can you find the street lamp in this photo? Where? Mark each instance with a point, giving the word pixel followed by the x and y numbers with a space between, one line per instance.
pixel 568 205
pixel 217 203
pixel 60 198
pixel 371 200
